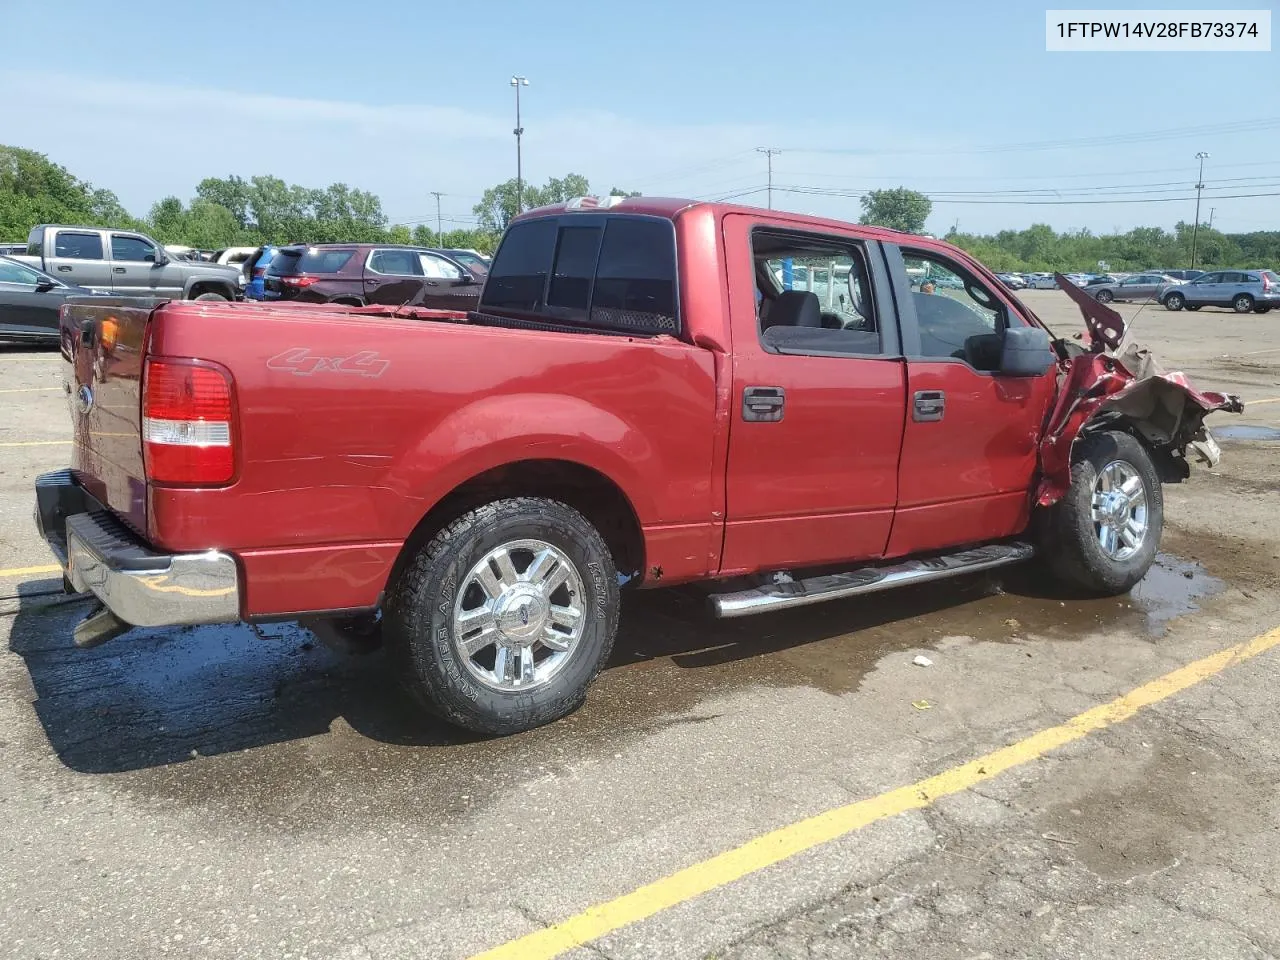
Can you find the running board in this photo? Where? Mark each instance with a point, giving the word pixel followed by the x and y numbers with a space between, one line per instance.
pixel 801 593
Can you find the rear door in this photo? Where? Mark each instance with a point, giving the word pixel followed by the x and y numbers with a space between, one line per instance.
pixel 969 450
pixel 135 272
pixel 818 398
pixel 79 258
pixel 446 285
pixel 393 276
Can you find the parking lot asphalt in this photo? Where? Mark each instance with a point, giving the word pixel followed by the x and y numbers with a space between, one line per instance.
pixel 211 792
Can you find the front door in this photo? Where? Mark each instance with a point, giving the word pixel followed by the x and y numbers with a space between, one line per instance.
pixel 1206 289
pixel 448 287
pixel 393 276
pixel 134 270
pixel 818 398
pixel 969 450
pixel 24 309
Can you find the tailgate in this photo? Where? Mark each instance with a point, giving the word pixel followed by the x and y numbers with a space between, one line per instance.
pixel 102 343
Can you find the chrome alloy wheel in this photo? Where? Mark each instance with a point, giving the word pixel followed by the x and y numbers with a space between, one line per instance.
pixel 518 615
pixel 1120 510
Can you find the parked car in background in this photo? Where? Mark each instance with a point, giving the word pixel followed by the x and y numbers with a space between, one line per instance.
pixel 1012 281
pixel 254 269
pixel 1141 286
pixel 365 273
pixel 30 300
pixel 477 263
pixel 1042 281
pixel 1178 274
pixel 127 263
pixel 12 249
pixel 1241 290
pixel 1098 279
pixel 232 255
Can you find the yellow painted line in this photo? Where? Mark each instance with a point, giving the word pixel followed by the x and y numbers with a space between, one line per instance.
pixel 37 443
pixel 796 838
pixel 30 389
pixel 30 571
pixel 1254 403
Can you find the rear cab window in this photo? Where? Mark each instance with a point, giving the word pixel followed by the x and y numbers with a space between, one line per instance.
pixel 77 246
pixel 297 260
pixel 609 273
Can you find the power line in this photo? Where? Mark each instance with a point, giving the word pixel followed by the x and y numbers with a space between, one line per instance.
pixel 809 191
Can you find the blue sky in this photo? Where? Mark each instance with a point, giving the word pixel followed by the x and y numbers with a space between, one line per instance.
pixel 403 98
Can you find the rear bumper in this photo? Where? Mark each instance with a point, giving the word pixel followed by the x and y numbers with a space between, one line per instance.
pixel 140 586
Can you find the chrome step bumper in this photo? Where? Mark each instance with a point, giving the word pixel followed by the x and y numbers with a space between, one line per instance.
pixel 801 593
pixel 140 586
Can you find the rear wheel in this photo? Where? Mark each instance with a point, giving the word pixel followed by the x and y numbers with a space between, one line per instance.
pixel 1104 296
pixel 502 621
pixel 1102 536
pixel 1243 303
pixel 209 296
pixel 1174 301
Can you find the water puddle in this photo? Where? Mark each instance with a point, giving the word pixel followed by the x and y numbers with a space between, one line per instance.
pixel 1246 431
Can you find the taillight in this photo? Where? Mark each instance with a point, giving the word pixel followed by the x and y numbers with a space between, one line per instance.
pixel 1266 283
pixel 187 423
pixel 259 272
pixel 298 282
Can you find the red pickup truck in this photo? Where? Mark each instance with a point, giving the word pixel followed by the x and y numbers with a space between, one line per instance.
pixel 651 392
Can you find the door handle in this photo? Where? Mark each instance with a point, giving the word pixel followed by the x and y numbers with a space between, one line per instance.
pixel 119 270
pixel 64 269
pixel 369 281
pixel 433 283
pixel 763 404
pixel 928 406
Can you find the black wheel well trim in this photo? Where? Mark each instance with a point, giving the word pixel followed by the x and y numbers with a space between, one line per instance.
pixel 1170 462
pixel 210 286
pixel 592 493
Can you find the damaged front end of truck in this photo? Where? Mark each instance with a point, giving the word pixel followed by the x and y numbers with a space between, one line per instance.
pixel 1116 385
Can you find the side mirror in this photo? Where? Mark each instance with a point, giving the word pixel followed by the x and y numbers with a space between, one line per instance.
pixel 1025 352
pixel 467 277
pixel 161 259
pixel 45 285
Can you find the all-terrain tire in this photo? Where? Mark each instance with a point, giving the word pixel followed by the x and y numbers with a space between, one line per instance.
pixel 1068 537
pixel 418 620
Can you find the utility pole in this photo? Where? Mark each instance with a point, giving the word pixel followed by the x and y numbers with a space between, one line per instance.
pixel 769 152
pixel 519 82
pixel 1195 230
pixel 1211 209
pixel 439 222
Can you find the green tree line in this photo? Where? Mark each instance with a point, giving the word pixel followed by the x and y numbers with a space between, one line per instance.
pixel 234 211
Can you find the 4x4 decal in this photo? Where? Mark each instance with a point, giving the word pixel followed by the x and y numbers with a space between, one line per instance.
pixel 301 362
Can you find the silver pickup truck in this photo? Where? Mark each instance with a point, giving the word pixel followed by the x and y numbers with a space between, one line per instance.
pixel 128 264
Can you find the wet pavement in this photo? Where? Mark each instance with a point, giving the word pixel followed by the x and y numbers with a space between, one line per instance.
pixel 221 791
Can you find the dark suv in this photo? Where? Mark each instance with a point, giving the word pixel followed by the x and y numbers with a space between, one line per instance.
pixel 360 274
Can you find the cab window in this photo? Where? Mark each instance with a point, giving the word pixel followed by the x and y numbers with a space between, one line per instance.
pixel 957 315
pixel 813 296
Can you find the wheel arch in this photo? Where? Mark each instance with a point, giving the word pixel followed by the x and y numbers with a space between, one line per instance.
pixel 203 285
pixel 598 497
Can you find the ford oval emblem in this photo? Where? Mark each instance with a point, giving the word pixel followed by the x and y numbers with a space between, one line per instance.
pixel 84 399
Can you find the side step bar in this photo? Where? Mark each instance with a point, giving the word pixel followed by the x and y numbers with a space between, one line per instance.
pixel 801 593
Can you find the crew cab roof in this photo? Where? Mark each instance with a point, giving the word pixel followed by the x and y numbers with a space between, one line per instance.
pixel 670 208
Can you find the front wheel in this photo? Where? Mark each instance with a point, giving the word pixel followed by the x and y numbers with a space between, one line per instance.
pixel 502 621
pixel 210 296
pixel 1102 536
pixel 1175 301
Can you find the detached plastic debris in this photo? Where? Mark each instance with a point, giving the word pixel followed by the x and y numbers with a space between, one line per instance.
pixel 922 661
pixel 922 704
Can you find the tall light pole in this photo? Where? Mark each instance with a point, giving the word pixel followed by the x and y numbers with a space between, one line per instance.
pixel 1195 230
pixel 769 152
pixel 519 82
pixel 439 221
